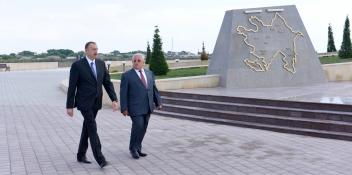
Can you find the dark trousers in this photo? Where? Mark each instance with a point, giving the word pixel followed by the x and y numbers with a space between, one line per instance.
pixel 89 130
pixel 139 128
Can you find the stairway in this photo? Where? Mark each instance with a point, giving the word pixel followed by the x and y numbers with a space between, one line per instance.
pixel 304 118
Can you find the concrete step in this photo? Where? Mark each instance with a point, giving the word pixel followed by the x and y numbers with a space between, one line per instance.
pixel 298 122
pixel 282 129
pixel 261 102
pixel 297 117
pixel 261 109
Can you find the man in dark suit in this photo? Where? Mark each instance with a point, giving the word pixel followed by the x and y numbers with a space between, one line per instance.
pixel 138 97
pixel 87 76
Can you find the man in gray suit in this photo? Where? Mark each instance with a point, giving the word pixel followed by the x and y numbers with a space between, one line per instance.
pixel 138 97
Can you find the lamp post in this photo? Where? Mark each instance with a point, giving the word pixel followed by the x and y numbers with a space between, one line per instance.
pixel 108 63
pixel 123 66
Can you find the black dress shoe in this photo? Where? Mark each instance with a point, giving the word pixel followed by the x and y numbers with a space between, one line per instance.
pixel 83 160
pixel 142 154
pixel 134 154
pixel 102 164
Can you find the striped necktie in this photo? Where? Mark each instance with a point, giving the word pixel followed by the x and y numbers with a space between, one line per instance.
pixel 143 79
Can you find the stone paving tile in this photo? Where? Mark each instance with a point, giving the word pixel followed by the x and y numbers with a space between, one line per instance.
pixel 36 137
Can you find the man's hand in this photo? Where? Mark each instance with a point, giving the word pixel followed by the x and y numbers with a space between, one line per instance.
pixel 125 113
pixel 159 107
pixel 115 106
pixel 69 112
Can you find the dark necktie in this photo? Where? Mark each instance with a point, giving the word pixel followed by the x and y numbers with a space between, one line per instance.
pixel 143 79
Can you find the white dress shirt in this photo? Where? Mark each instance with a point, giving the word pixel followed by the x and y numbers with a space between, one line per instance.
pixel 139 75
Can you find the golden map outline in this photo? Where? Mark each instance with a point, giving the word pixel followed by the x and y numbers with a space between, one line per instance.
pixel 266 65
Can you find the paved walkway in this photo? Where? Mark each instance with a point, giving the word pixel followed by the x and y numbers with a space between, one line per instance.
pixel 36 137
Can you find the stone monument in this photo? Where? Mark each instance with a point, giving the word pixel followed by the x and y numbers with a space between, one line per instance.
pixel 265 47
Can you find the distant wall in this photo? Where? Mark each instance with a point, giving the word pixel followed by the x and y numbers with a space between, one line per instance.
pixel 32 66
pixel 327 54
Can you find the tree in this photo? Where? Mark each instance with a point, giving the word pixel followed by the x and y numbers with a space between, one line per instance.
pixel 149 54
pixel 79 54
pixel 115 53
pixel 331 43
pixel 204 55
pixel 63 53
pixel 158 64
pixel 346 48
pixel 7 57
pixel 26 53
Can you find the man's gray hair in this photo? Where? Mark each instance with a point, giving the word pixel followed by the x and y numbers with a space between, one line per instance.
pixel 138 55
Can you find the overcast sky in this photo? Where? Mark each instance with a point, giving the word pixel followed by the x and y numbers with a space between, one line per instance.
pixel 39 25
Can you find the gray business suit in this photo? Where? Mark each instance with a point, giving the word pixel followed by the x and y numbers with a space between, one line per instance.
pixel 140 102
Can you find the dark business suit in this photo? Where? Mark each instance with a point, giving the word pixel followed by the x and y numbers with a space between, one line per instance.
pixel 85 92
pixel 140 102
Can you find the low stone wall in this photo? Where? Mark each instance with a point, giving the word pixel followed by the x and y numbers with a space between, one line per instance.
pixel 338 71
pixel 205 81
pixel 187 63
pixel 63 64
pixel 327 54
pixel 32 66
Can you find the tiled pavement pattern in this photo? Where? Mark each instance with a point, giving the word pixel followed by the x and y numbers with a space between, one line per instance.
pixel 36 137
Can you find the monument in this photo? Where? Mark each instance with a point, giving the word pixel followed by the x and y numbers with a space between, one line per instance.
pixel 265 47
pixel 270 78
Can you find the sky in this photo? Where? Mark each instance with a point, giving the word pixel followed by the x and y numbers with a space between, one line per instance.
pixel 39 25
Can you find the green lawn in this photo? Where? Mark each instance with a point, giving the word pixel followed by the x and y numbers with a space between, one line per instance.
pixel 333 59
pixel 174 73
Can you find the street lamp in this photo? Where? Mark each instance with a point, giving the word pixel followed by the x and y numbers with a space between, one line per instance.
pixel 123 66
pixel 108 63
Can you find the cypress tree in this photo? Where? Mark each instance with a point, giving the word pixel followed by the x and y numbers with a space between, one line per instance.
pixel 158 64
pixel 204 55
pixel 331 42
pixel 346 50
pixel 149 54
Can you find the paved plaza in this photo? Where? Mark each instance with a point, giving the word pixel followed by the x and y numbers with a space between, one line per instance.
pixel 37 137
